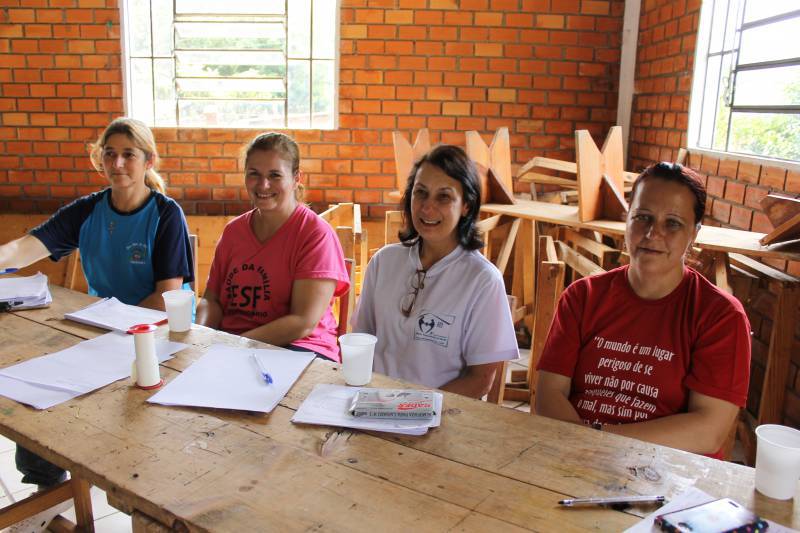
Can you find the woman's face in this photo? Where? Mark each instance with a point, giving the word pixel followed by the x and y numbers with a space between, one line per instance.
pixel 660 226
pixel 270 181
pixel 123 163
pixel 437 204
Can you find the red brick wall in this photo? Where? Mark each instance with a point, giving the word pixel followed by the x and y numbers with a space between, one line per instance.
pixel 543 68
pixel 660 117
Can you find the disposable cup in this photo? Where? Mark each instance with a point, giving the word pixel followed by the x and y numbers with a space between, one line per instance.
pixel 179 309
pixel 357 352
pixel 777 461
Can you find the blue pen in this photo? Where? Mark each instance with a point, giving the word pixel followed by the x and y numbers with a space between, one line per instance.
pixel 263 371
pixel 8 271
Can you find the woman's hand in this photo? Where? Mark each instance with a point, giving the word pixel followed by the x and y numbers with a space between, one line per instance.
pixel 552 397
pixel 209 310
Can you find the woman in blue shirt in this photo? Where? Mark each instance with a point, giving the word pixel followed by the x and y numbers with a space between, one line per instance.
pixel 133 240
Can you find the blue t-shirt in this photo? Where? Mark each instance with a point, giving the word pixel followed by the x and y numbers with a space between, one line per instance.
pixel 123 254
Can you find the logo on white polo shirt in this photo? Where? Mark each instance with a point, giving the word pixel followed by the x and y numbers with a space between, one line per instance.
pixel 433 327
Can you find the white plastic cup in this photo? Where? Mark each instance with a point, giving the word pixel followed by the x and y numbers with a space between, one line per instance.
pixel 179 309
pixel 357 353
pixel 777 461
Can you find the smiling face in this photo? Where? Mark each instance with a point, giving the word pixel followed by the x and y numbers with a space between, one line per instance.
pixel 437 204
pixel 660 227
pixel 123 163
pixel 270 181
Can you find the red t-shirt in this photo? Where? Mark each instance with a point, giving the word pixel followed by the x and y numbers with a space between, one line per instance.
pixel 254 280
pixel 633 360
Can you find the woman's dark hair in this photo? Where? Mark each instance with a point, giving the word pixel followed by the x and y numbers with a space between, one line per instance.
pixel 678 174
pixel 454 162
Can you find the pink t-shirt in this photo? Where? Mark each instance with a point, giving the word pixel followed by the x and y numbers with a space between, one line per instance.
pixel 253 280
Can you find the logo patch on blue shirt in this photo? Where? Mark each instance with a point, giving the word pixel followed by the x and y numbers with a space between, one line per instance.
pixel 137 253
pixel 433 327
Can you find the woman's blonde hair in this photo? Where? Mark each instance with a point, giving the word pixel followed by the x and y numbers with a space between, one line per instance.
pixel 142 138
pixel 281 143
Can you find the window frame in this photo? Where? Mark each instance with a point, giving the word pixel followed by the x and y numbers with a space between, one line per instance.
pixel 127 79
pixel 698 88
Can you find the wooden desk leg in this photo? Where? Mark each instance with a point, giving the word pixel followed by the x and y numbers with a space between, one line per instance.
pixel 76 489
pixel 83 504
pixel 142 523
pixel 529 246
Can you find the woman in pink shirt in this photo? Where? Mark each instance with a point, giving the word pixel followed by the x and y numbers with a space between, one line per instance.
pixel 277 267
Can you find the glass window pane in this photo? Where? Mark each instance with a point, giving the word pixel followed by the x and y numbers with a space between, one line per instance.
pixel 137 21
pixel 231 89
pixel 243 7
pixel 761 9
pixel 723 109
pixel 322 94
pixel 708 106
pixel 299 94
pixel 141 96
pixel 773 86
pixel 230 64
pixel 299 23
pixel 324 29
pixel 231 113
pixel 766 134
pixel 778 40
pixel 229 36
pixel 164 70
pixel 718 25
pixel 162 28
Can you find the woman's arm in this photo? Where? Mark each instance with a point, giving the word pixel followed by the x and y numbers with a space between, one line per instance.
pixel 310 300
pixel 702 429
pixel 154 300
pixel 552 397
pixel 476 381
pixel 22 252
pixel 209 310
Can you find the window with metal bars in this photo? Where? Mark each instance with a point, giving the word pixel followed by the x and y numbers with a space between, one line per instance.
pixel 746 89
pixel 231 63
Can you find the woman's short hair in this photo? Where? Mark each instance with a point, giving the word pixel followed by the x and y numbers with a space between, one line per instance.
pixel 142 138
pixel 677 173
pixel 281 143
pixel 454 162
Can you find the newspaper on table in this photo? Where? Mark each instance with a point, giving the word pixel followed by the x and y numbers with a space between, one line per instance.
pixel 110 313
pixel 329 405
pixel 25 292
pixel 45 381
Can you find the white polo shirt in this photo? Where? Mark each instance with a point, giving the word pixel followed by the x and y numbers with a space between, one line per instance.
pixel 460 318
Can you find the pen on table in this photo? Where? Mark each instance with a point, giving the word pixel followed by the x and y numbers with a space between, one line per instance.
pixel 263 371
pixel 8 271
pixel 616 500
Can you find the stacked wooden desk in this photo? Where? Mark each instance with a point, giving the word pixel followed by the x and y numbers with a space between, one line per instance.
pixel 485 469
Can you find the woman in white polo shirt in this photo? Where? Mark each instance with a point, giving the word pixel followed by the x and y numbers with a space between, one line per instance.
pixel 437 306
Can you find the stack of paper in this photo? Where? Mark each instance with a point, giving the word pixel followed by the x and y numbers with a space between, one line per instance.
pixel 329 405
pixel 25 292
pixel 229 378
pixel 110 313
pixel 51 379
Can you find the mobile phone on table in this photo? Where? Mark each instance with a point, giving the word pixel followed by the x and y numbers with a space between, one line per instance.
pixel 718 516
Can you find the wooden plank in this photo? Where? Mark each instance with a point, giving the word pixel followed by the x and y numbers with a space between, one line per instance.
pixel 347 240
pixel 709 237
pixel 779 208
pixel 721 272
pixel 35 503
pixel 405 155
pixel 602 252
pixel 544 179
pixel 779 355
pixel 394 224
pixel 787 231
pixel 576 261
pixel 590 172
pixel 760 269
pixel 615 206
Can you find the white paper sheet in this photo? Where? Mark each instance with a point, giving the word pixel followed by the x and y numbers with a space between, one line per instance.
pixel 25 292
pixel 691 497
pixel 227 378
pixel 51 379
pixel 328 405
pixel 110 313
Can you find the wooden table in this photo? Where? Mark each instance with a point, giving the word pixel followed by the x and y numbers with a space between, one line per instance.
pixel 486 468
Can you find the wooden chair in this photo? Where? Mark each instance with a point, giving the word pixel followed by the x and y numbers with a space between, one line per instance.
pixel 195 286
pixel 392 226
pixel 345 219
pixel 75 488
pixel 347 303
pixel 510 227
